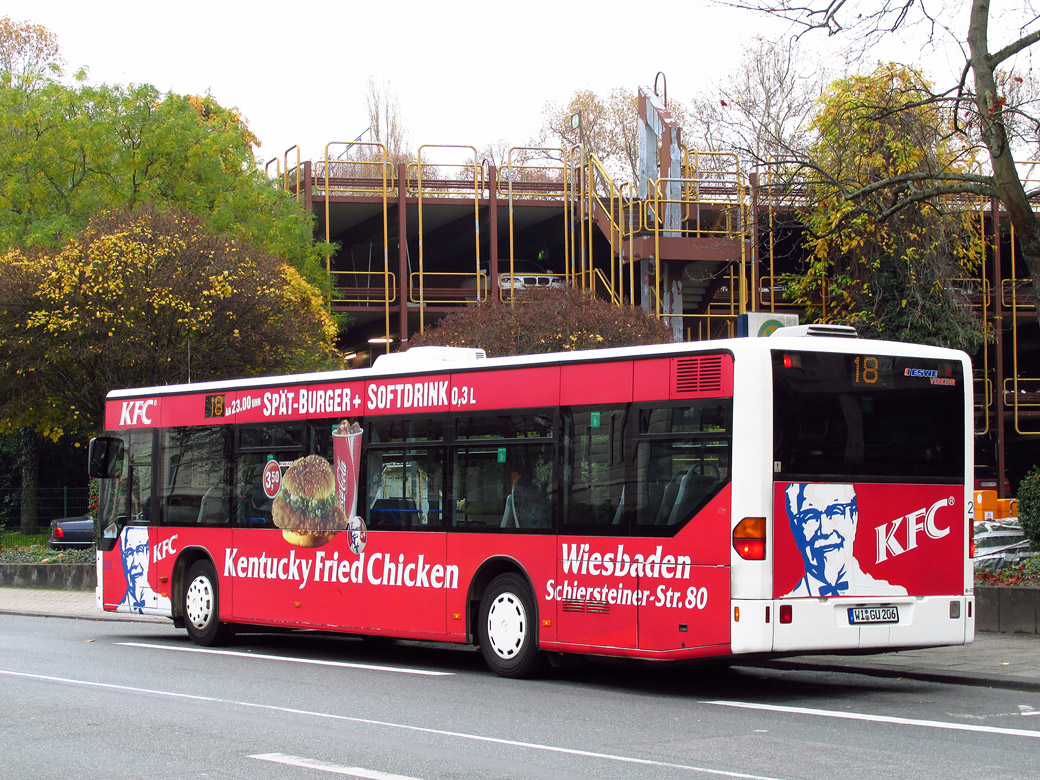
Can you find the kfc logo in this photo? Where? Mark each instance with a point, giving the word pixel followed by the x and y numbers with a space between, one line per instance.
pixel 136 413
pixel 906 528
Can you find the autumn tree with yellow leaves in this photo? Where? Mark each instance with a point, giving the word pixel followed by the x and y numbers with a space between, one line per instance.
pixel 893 261
pixel 146 298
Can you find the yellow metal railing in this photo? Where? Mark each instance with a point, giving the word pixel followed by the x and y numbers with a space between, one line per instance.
pixel 430 179
pixel 981 377
pixel 620 217
pixel 701 327
pixel 363 287
pixel 654 221
pixel 1024 393
pixel 604 283
pixel 446 287
pixel 532 172
pixel 372 158
pixel 712 182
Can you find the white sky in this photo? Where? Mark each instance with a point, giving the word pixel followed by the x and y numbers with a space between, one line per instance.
pixel 465 71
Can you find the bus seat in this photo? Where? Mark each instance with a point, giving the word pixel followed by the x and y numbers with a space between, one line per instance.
pixel 509 515
pixel 693 487
pixel 620 511
pixel 530 505
pixel 213 507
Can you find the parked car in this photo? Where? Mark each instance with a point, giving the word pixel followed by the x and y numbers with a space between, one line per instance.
pixel 72 532
pixel 986 479
pixel 526 273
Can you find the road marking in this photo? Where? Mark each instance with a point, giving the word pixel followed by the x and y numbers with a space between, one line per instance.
pixel 932 724
pixel 1024 710
pixel 287 659
pixel 325 766
pixel 388 724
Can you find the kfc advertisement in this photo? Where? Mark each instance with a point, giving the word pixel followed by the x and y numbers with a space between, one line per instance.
pixel 867 540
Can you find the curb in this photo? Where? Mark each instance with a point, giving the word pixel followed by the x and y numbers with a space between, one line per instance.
pixel 949 678
pixel 101 617
pixel 52 576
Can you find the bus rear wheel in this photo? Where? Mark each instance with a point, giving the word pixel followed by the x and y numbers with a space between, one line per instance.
pixel 202 606
pixel 507 632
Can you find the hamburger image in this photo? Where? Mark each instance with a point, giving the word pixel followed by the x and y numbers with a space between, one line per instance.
pixel 306 508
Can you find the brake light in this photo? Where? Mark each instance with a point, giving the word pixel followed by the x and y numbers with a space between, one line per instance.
pixel 749 538
pixel 59 532
pixel 786 613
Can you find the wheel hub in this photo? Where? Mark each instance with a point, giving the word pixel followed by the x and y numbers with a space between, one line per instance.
pixel 198 602
pixel 507 625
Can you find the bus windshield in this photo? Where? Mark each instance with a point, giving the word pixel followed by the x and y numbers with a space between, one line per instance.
pixel 863 417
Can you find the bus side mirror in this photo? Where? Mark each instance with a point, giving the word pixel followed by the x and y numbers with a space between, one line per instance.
pixel 104 454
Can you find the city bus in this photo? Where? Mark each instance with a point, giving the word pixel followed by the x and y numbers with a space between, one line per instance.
pixel 806 491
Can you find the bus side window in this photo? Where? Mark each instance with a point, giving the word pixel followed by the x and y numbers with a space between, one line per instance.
pixel 594 468
pixel 194 488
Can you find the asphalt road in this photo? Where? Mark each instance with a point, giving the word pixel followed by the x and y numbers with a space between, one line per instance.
pixel 105 699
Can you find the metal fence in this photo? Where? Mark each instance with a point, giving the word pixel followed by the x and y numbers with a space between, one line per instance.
pixel 52 503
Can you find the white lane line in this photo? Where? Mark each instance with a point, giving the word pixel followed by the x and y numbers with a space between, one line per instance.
pixel 931 724
pixel 325 766
pixel 388 724
pixel 287 659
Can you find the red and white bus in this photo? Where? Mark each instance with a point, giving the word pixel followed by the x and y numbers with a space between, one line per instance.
pixel 760 495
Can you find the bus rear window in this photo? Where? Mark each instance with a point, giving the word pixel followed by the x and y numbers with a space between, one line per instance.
pixel 866 417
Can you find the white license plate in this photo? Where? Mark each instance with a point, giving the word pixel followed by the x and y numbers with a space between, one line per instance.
pixel 873 615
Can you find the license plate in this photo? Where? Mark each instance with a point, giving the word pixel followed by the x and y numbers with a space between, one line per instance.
pixel 873 615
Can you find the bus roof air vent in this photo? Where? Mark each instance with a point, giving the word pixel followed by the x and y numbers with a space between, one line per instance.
pixel 424 356
pixel 832 331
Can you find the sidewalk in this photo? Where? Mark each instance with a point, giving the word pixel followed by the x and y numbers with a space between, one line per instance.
pixel 992 660
pixel 48 602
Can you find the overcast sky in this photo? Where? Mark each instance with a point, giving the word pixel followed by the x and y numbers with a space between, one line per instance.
pixel 464 72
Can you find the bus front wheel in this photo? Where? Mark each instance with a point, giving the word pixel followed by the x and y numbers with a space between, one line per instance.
pixel 202 606
pixel 507 630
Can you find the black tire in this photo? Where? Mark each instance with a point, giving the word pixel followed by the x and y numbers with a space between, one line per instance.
pixel 202 606
pixel 508 628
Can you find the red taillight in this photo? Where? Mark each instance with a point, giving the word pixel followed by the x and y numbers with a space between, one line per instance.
pixel 750 549
pixel 785 613
pixel 59 532
pixel 749 538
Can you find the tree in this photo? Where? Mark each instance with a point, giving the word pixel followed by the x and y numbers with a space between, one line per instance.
pixel 68 152
pixel 896 277
pixel 608 129
pixel 146 298
pixel 544 319
pixel 28 52
pixel 386 121
pixel 1029 506
pixel 986 116
pixel 762 110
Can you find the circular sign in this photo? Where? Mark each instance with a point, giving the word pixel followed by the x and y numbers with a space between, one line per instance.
pixel 272 478
pixel 357 535
pixel 768 327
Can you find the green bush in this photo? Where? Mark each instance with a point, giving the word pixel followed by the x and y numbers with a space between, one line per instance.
pixel 1029 506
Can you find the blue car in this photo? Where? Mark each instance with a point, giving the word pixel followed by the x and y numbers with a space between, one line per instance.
pixel 72 532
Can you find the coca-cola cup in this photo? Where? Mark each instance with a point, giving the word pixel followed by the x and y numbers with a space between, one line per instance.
pixel 346 451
